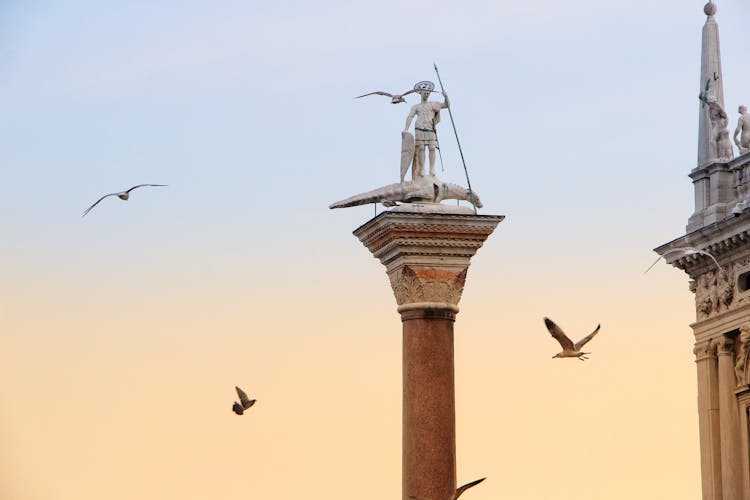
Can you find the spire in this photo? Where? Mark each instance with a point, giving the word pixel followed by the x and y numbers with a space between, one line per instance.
pixel 711 83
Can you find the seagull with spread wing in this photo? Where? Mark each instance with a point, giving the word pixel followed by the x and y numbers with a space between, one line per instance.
pixel 244 404
pixel 123 195
pixel 570 350
pixel 395 98
pixel 682 252
pixel 458 491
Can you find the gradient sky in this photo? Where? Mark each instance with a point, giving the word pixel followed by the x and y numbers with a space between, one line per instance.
pixel 122 334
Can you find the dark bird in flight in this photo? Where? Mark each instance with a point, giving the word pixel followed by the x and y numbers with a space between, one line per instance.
pixel 395 98
pixel 465 487
pixel 244 404
pixel 458 492
pixel 570 350
pixel 123 195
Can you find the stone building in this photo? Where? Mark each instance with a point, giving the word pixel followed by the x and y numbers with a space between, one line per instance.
pixel 719 227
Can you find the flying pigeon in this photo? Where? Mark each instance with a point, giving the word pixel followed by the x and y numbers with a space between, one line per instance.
pixel 244 404
pixel 570 350
pixel 123 195
pixel 682 252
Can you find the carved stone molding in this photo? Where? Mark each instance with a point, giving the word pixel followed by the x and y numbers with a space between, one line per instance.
pixel 412 284
pixel 704 350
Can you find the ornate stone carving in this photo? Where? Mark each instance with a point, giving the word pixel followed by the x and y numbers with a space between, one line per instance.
pixel 705 349
pixel 412 284
pixel 742 355
pixel 715 291
pixel 705 294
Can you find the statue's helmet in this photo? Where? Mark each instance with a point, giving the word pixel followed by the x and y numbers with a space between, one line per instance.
pixel 424 85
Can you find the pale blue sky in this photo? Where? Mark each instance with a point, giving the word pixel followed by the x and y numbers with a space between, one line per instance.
pixel 578 121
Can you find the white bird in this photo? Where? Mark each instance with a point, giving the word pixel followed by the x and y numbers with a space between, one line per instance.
pixel 244 404
pixel 123 195
pixel 570 350
pixel 395 98
pixel 458 491
pixel 682 252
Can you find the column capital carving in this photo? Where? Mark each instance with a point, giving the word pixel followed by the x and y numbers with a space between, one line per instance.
pixel 426 256
pixel 427 287
pixel 704 350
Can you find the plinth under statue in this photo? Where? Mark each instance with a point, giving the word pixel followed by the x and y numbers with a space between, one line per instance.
pixel 426 247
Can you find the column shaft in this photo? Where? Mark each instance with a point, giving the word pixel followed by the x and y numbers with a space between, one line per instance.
pixel 731 458
pixel 429 411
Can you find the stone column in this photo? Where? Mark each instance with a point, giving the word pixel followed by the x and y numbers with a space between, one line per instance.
pixel 731 458
pixel 427 256
pixel 708 419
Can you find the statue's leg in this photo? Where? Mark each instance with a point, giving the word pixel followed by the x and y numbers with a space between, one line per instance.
pixel 432 159
pixel 418 168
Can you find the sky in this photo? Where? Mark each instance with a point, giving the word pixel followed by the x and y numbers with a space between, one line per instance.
pixel 123 334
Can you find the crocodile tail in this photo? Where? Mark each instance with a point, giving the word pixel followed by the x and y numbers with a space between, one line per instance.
pixel 391 192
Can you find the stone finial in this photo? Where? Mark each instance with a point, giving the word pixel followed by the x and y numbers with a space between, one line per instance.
pixel 710 9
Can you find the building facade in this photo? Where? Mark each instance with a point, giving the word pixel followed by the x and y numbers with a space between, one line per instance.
pixel 715 253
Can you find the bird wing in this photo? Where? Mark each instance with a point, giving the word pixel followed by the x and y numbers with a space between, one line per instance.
pixel 141 185
pixel 585 339
pixel 559 335
pixel 247 404
pixel 243 397
pixel 466 487
pixel 409 92
pixel 692 250
pixel 712 258
pixel 96 203
pixel 378 92
pixel 652 265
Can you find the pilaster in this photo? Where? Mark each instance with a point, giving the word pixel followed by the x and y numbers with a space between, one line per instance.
pixel 708 419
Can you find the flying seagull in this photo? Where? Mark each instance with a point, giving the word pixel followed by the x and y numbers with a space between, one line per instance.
pixel 395 98
pixel 244 404
pixel 123 195
pixel 682 252
pixel 458 491
pixel 570 350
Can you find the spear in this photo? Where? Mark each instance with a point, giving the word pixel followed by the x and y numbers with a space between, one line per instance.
pixel 456 134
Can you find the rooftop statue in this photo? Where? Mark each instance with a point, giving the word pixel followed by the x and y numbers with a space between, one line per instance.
pixel 720 147
pixel 424 191
pixel 743 127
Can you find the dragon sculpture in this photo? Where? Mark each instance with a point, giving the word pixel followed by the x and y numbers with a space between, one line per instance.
pixel 426 189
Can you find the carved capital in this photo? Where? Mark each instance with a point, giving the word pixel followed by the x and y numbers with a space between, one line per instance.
pixel 704 350
pixel 414 284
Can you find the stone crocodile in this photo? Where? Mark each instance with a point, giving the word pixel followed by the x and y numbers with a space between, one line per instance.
pixel 425 190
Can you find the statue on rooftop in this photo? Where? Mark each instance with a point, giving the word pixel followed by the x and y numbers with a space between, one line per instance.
pixel 720 145
pixel 743 127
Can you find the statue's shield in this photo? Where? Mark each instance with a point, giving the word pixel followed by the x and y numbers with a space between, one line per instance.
pixel 407 152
